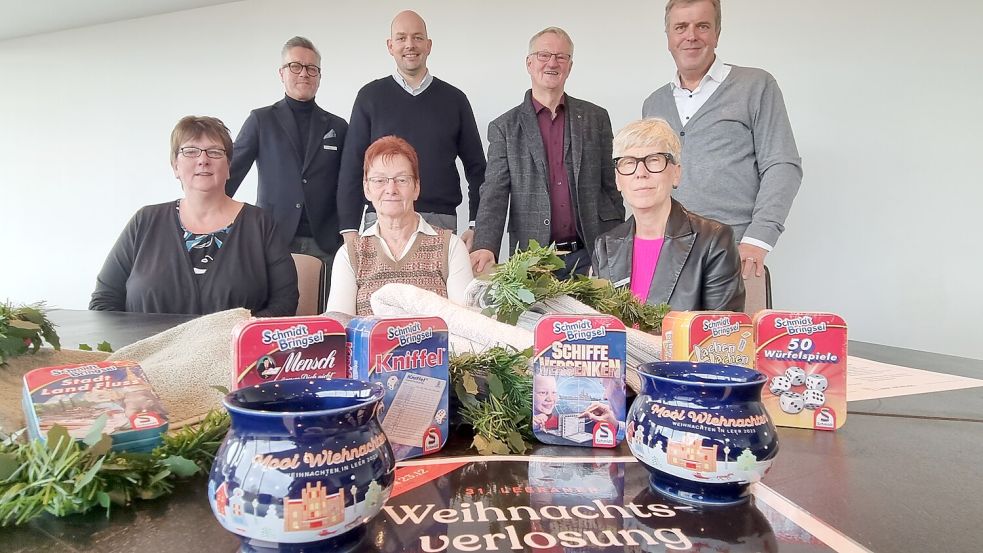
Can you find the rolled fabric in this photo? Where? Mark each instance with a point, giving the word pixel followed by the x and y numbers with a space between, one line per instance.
pixel 469 330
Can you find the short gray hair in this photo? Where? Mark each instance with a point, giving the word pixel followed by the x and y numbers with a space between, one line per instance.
pixel 651 132
pixel 556 31
pixel 673 3
pixel 299 42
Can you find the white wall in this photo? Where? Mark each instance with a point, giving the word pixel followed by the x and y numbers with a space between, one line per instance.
pixel 883 97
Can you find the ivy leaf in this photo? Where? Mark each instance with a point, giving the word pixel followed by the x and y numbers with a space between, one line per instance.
pixel 95 431
pixel 495 385
pixel 180 466
pixel 104 346
pixel 8 465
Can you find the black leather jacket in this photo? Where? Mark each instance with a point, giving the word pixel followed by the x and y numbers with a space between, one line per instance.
pixel 699 265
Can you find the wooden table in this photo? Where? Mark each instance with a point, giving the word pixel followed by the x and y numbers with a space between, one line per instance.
pixel 901 476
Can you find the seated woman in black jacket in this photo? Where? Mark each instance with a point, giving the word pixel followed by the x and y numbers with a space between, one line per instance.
pixel 204 252
pixel 664 252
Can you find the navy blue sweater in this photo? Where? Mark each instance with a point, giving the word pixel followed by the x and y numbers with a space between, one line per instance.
pixel 438 123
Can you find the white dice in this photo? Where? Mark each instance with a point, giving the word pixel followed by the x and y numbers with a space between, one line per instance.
pixel 796 375
pixel 814 399
pixel 816 382
pixel 792 403
pixel 780 385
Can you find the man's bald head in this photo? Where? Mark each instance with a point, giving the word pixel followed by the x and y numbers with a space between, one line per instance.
pixel 407 17
pixel 409 44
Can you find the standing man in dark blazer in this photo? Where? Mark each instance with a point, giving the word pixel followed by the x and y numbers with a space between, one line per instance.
pixel 297 147
pixel 549 166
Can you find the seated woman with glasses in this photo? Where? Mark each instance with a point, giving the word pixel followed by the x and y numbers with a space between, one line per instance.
pixel 400 246
pixel 204 252
pixel 663 252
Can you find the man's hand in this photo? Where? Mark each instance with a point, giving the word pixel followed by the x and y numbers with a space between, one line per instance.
pixel 600 412
pixel 468 238
pixel 752 259
pixel 481 261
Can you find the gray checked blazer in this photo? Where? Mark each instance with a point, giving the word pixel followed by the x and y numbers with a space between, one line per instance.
pixel 517 177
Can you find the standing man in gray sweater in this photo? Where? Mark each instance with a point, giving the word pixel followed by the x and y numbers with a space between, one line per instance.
pixel 740 163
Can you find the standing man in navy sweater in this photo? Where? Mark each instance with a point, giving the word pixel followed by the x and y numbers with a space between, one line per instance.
pixel 297 148
pixel 433 116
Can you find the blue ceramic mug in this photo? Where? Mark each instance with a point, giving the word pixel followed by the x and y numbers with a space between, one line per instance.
pixel 305 462
pixel 701 430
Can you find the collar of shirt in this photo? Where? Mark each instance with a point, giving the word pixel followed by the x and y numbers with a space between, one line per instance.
pixel 422 227
pixel 413 91
pixel 537 107
pixel 718 72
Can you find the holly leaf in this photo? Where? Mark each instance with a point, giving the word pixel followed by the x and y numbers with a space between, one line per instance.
pixel 525 295
pixel 180 466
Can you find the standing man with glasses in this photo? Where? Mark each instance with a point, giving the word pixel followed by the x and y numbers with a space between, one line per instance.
pixel 549 166
pixel 297 147
pixel 433 116
pixel 742 166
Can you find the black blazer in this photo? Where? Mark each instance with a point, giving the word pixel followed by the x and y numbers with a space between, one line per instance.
pixel 291 176
pixel 699 265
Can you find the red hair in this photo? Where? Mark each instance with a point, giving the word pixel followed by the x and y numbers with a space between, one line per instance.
pixel 387 148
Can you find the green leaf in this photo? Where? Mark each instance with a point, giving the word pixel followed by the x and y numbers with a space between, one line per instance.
pixel 85 347
pixel 24 325
pixel 498 447
pixel 101 447
pixel 470 384
pixel 8 465
pixel 481 444
pixel 58 439
pixel 88 476
pixel 525 295
pixel 95 431
pixel 104 499
pixel 31 314
pixel 104 346
pixel 221 389
pixel 180 466
pixel 495 385
pixel 516 442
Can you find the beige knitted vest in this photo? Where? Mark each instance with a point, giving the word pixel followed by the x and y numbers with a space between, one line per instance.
pixel 424 266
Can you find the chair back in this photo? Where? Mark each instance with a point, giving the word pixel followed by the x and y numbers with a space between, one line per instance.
pixel 757 293
pixel 310 283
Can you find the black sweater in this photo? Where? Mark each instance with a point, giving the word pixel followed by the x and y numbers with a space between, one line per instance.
pixel 149 270
pixel 440 126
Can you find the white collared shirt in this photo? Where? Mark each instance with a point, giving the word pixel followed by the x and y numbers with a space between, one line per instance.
pixel 406 86
pixel 344 288
pixel 688 102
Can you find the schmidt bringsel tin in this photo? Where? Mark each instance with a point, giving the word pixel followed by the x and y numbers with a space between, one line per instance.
pixel 280 348
pixel 409 357
pixel 708 337
pixel 74 396
pixel 579 380
pixel 804 357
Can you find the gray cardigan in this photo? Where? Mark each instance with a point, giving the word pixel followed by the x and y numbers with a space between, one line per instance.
pixel 149 270
pixel 740 163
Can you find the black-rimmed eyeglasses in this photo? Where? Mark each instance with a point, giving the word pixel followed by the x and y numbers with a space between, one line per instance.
pixel 545 56
pixel 191 151
pixel 655 163
pixel 296 68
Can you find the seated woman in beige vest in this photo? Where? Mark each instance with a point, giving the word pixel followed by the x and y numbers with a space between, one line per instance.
pixel 400 246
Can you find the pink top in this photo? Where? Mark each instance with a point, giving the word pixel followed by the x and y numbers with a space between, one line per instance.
pixel 644 260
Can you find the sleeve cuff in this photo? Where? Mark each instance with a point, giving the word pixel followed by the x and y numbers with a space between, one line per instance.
pixel 755 242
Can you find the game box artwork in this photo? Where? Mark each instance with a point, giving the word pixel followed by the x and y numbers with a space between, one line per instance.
pixel 279 348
